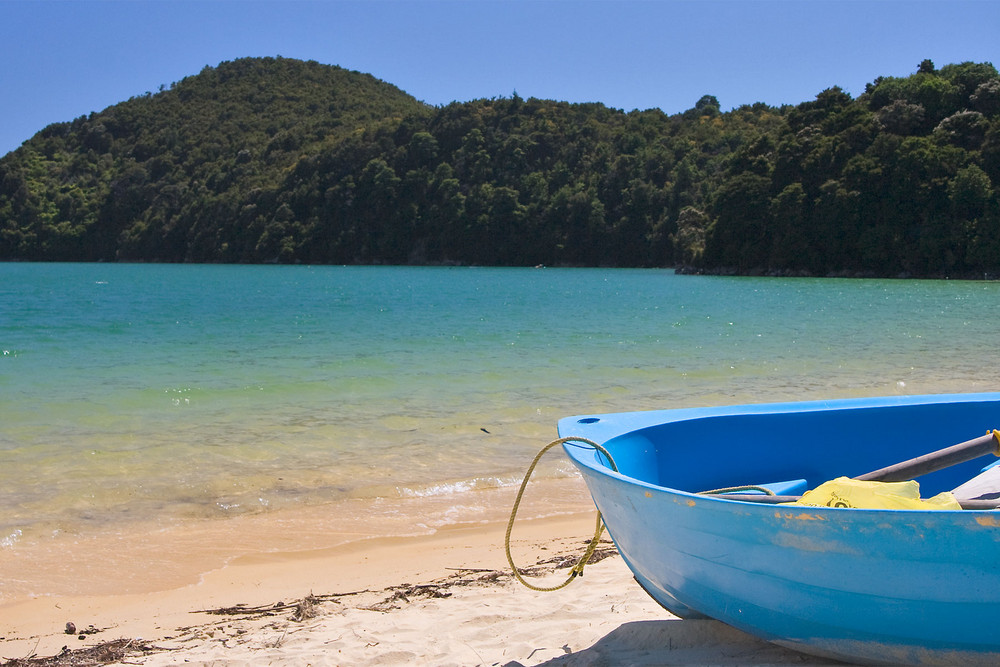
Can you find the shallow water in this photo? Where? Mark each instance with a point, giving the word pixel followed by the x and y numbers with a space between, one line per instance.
pixel 159 394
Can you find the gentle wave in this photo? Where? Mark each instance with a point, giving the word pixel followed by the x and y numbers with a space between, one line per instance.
pixel 461 486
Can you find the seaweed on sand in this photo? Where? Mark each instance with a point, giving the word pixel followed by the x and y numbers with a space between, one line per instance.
pixel 104 653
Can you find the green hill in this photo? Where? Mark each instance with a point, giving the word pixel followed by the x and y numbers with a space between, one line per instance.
pixel 154 178
pixel 277 160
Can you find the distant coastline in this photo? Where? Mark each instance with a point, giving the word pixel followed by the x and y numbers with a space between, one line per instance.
pixel 276 160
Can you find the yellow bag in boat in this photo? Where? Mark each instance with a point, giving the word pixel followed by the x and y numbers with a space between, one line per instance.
pixel 846 492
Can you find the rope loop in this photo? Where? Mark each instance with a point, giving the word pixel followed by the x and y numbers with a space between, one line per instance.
pixel 577 570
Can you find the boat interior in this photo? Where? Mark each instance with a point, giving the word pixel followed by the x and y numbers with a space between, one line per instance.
pixel 789 451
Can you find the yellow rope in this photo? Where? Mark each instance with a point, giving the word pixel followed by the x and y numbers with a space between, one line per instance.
pixel 736 489
pixel 578 568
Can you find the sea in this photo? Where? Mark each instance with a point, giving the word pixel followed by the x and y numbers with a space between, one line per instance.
pixel 400 400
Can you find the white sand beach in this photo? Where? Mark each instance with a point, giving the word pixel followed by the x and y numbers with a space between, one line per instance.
pixel 445 599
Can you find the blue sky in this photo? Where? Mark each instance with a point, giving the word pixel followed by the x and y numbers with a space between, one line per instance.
pixel 66 58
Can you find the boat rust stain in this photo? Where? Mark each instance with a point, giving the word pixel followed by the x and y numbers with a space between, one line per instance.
pixel 795 540
pixel 649 495
pixel 691 503
pixel 988 520
pixel 799 516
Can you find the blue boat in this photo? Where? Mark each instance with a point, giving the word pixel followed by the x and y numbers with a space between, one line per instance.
pixel 884 586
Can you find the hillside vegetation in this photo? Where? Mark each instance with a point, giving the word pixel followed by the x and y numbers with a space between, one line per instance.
pixel 278 160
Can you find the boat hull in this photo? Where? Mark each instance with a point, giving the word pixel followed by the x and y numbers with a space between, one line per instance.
pixel 881 586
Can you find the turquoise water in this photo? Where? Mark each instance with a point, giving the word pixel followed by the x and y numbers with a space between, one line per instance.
pixel 171 392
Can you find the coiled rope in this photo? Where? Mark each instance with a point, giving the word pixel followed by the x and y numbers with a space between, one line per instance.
pixel 598 530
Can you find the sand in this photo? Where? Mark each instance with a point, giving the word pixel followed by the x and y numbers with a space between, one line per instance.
pixel 443 599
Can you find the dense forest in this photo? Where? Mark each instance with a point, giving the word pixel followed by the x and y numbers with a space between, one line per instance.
pixel 279 160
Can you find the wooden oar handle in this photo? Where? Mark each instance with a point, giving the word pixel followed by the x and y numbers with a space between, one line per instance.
pixel 943 458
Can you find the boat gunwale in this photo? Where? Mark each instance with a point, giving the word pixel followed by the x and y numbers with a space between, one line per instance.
pixel 606 427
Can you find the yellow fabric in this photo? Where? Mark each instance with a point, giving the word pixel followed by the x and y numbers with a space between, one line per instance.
pixel 846 492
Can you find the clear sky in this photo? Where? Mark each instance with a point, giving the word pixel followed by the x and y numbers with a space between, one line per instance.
pixel 60 59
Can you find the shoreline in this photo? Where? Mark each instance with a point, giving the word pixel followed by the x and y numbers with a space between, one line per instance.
pixel 113 579
pixel 144 557
pixel 445 599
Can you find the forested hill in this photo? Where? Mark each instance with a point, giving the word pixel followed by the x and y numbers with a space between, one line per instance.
pixel 278 160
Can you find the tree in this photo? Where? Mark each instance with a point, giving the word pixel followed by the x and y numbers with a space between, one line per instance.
pixel 707 105
pixel 901 117
pixel 970 194
pixel 965 129
pixel 792 246
pixel 739 237
pixel 689 239
pixel 938 97
pixel 986 98
pixel 967 77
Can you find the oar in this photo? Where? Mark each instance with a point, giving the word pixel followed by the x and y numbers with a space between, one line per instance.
pixel 939 460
